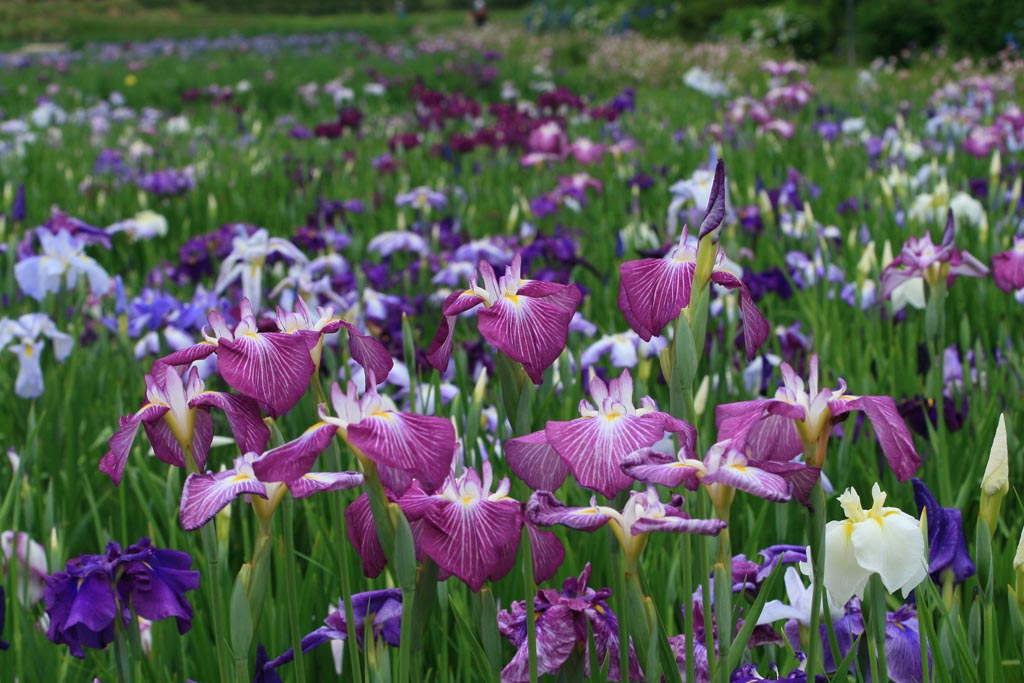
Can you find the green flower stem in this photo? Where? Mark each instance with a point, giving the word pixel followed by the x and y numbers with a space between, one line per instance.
pixel 531 617
pixel 723 599
pixel 288 560
pixel 686 546
pixel 340 523
pixel 124 669
pixel 211 549
pixel 817 530
pixel 877 592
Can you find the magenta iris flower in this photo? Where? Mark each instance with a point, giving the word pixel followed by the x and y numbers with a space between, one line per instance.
pixel 275 367
pixel 204 495
pixel 562 620
pixel 465 526
pixel 933 263
pixel 1008 267
pixel 527 320
pixel 654 291
pixel 595 445
pixel 801 417
pixel 403 445
pixel 176 417
pixel 85 601
pixel 643 512
pixel 723 466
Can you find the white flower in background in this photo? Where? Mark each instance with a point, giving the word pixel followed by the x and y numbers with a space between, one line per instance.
pixel 178 125
pixel 62 257
pixel 800 599
pixel 24 337
pixel 705 82
pixel 144 226
pixel 246 260
pixel 47 114
pixel 967 209
pixel 30 561
pixel 882 540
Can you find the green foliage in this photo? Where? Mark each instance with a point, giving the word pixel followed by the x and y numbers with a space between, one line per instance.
pixel 800 27
pixel 886 27
pixel 983 26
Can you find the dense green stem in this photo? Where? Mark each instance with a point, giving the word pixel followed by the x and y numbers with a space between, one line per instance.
pixel 723 599
pixel 124 669
pixel 817 530
pixel 878 614
pixel 288 561
pixel 687 595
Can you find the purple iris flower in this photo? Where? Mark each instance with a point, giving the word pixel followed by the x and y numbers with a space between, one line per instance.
pixel 903 646
pixel 595 445
pixel 527 320
pixel 204 495
pixel 642 513
pixel 176 417
pixel 561 620
pixel 84 601
pixel 379 612
pixel 422 198
pixel 947 547
pixel 275 367
pixel 167 182
pixel 776 554
pixel 403 445
pixel 933 263
pixel 723 469
pixel 654 291
pixel 463 525
pixel 18 211
pixel 1008 267
pixel 801 417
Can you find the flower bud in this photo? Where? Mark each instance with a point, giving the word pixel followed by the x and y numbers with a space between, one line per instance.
pixel 996 481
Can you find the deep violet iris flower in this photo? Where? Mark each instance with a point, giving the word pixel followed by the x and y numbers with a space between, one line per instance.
pixel 3 614
pixel 947 547
pixel 379 612
pixel 527 320
pixel 562 620
pixel 85 601
pixel 800 419
pixel 654 291
pixel 176 417
pixel 594 445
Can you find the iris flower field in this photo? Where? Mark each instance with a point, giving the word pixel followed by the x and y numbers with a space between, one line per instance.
pixel 483 355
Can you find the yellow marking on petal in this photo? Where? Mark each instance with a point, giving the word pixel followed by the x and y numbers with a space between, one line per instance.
pixel 239 477
pixel 514 298
pixel 612 416
pixel 739 468
pixel 29 352
pixel 466 500
pixel 382 414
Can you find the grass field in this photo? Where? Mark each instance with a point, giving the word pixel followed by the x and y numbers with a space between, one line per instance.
pixel 384 160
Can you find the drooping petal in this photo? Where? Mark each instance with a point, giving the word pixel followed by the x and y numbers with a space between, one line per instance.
pixel 893 549
pixel 187 355
pixel 166 447
pixel 112 464
pixel 272 367
pixel 422 445
pixel 655 291
pixel 595 447
pixel 368 352
pixel 533 460
pixel 294 459
pixel 947 547
pixel 156 584
pixel 680 524
pixel 903 647
pixel 363 536
pixel 890 429
pixel 543 509
pixel 548 551
pixel 244 418
pixel 528 330
pixel 844 576
pixel 316 482
pixel 439 353
pixel 204 495
pixel 752 480
pixel 654 467
pixel 556 638
pixel 464 537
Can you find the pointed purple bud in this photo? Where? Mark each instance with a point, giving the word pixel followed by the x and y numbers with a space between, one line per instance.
pixel 715 214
